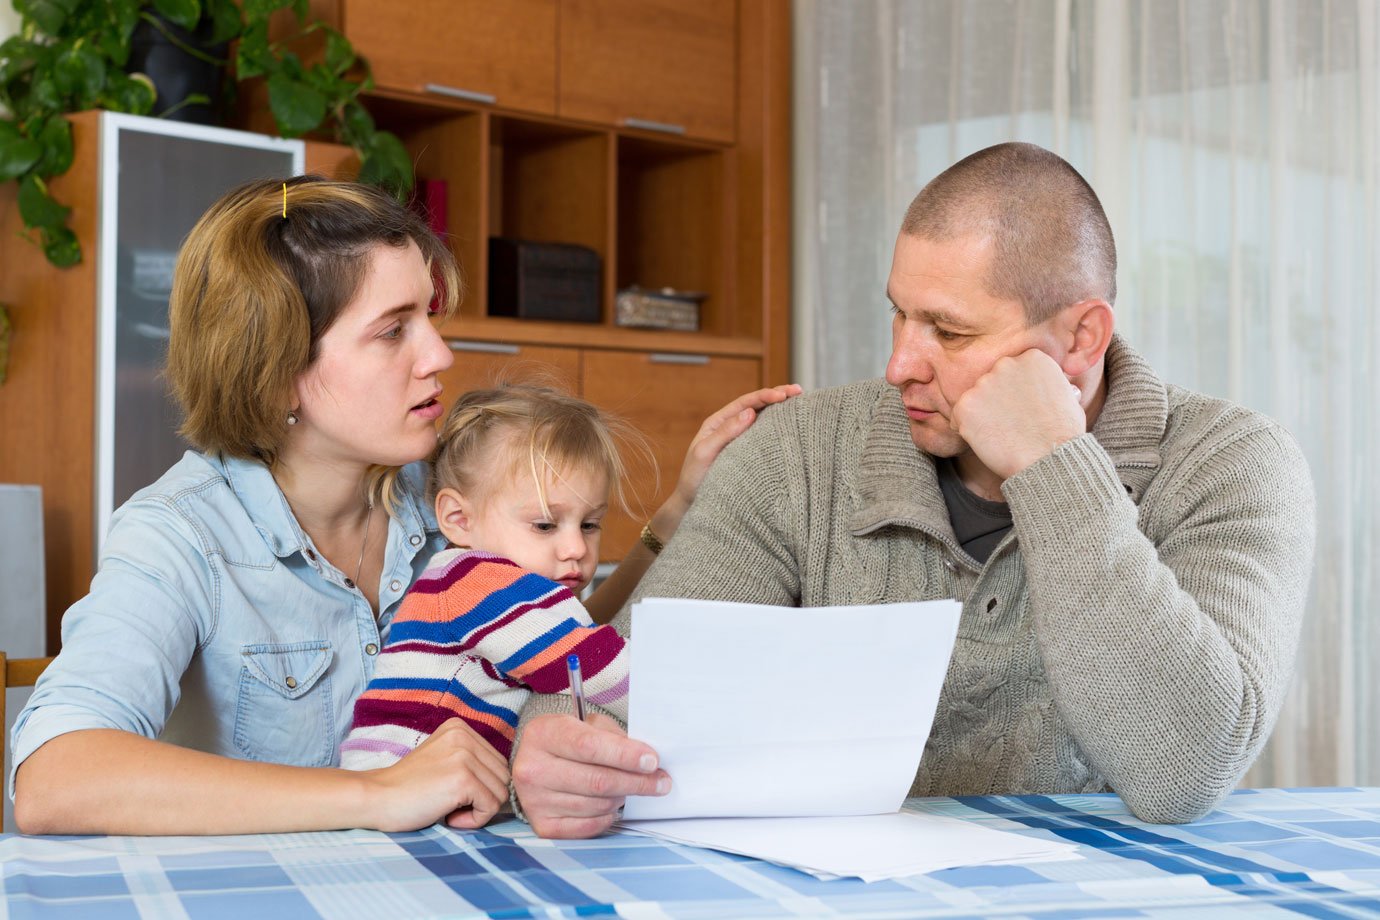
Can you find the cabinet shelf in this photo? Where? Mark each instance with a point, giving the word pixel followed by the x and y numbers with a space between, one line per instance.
pixel 393 107
pixel 659 211
pixel 541 332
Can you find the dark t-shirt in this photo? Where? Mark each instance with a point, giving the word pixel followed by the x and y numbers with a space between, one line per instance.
pixel 978 523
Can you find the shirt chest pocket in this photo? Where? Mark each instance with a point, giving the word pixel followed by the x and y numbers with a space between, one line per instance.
pixel 285 712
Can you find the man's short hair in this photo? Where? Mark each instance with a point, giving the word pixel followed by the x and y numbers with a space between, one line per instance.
pixel 1051 243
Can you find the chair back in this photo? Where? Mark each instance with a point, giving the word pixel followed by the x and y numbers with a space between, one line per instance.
pixel 19 672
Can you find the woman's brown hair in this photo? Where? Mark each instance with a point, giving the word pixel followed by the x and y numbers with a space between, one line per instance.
pixel 263 274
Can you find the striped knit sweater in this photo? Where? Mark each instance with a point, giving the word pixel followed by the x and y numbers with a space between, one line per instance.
pixel 473 638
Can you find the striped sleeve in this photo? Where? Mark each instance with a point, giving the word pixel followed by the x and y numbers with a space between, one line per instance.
pixel 473 637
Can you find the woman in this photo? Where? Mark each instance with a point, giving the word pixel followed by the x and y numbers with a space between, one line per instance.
pixel 206 680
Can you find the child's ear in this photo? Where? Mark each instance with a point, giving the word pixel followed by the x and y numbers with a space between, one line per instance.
pixel 453 514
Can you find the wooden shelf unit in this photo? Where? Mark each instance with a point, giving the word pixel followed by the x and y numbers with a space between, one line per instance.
pixel 575 155
pixel 707 210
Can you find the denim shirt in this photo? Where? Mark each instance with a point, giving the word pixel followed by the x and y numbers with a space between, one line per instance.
pixel 215 624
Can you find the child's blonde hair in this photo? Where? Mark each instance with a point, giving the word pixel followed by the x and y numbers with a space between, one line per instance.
pixel 544 431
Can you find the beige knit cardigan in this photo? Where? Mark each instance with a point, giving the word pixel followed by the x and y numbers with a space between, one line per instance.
pixel 1135 631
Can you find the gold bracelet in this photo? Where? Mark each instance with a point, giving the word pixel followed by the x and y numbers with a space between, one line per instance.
pixel 651 540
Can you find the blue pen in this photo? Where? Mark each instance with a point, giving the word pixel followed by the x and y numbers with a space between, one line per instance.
pixel 577 686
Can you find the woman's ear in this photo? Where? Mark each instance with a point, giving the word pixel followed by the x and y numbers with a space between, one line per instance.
pixel 454 515
pixel 1088 325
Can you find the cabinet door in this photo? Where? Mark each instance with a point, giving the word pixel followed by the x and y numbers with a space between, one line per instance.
pixel 483 364
pixel 502 53
pixel 670 62
pixel 666 398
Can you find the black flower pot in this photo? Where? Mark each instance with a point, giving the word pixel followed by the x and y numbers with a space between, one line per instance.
pixel 159 51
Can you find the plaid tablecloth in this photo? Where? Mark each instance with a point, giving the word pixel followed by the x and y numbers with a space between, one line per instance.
pixel 1264 853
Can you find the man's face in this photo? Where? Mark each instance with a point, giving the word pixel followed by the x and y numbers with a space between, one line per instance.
pixel 947 331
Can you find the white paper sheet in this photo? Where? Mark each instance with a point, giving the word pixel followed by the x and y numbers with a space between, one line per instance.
pixel 870 847
pixel 760 711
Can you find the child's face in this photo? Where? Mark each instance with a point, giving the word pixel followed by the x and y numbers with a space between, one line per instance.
pixel 561 543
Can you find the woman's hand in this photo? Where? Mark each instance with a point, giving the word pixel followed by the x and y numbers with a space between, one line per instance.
pixel 454 775
pixel 714 435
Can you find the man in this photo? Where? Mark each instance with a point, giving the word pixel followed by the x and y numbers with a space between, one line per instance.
pixel 1133 558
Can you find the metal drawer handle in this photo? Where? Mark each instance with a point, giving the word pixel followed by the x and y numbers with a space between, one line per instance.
pixel 469 95
pixel 663 358
pixel 645 125
pixel 489 348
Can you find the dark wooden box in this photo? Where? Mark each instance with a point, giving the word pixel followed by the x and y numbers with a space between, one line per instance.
pixel 530 280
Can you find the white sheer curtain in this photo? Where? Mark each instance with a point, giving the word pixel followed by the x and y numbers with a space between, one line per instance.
pixel 1235 145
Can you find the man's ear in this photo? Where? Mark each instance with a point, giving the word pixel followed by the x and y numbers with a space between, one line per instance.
pixel 1088 326
pixel 454 515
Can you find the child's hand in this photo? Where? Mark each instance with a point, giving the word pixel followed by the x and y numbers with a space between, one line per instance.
pixel 714 435
pixel 453 775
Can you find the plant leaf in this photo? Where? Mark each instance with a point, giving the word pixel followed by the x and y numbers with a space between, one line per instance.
pixel 185 13
pixel 48 15
pixel 386 163
pixel 125 15
pixel 297 107
pixel 17 56
pixel 79 72
pixel 225 20
pixel 133 93
pixel 43 93
pixel 36 206
pixel 17 152
pixel 356 125
pixel 253 59
pixel 55 137
pixel 60 246
pixel 340 54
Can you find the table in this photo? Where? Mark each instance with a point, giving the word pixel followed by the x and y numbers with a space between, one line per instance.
pixel 1263 853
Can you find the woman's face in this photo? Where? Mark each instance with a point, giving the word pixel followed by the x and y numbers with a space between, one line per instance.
pixel 372 396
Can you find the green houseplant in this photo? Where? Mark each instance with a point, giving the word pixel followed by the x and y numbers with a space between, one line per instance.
pixel 70 55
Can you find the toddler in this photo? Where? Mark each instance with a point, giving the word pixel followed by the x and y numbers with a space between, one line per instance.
pixel 521 483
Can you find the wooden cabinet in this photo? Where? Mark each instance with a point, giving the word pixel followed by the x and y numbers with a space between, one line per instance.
pixel 485 364
pixel 666 396
pixel 667 65
pixel 656 65
pixel 496 53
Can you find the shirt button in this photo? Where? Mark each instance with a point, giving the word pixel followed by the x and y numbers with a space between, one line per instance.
pixel 310 555
pixel 371 649
pixel 395 585
pixel 349 583
pixel 415 540
pixel 291 682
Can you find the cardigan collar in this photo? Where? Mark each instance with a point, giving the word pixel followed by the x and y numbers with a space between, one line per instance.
pixel 898 485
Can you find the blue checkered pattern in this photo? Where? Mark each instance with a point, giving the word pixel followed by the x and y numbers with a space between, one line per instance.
pixel 1266 853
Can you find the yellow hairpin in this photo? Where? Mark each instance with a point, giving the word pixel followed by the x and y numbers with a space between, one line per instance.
pixel 284 201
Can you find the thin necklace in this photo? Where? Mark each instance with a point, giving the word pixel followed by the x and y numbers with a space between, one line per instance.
pixel 359 567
